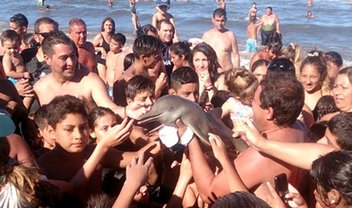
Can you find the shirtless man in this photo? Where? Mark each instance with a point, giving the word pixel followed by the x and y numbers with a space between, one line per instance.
pixel 77 30
pixel 67 78
pixel 268 53
pixel 276 121
pixel 223 41
pixel 270 26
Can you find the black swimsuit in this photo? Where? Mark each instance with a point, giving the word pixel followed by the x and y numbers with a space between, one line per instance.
pixel 106 47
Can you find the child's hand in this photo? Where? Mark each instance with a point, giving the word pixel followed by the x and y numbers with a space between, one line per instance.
pixel 218 147
pixel 205 78
pixel 117 134
pixel 160 82
pixel 137 171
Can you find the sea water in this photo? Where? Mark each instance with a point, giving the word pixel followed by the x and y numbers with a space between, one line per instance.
pixel 329 30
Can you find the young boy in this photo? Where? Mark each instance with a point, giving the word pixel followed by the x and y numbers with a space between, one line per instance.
pixel 184 83
pixel 147 53
pixel 40 119
pixel 117 42
pixel 75 161
pixel 162 13
pixel 252 31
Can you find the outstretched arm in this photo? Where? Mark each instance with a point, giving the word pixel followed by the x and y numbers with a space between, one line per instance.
pixel 298 154
pixel 234 181
pixel 136 176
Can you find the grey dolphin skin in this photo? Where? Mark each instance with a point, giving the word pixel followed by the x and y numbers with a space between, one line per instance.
pixel 167 109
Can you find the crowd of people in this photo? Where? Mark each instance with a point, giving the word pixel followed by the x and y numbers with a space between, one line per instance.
pixel 70 134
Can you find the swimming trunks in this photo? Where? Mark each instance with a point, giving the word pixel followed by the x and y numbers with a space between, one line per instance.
pixel 251 45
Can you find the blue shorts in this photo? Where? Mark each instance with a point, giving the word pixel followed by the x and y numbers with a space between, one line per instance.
pixel 251 45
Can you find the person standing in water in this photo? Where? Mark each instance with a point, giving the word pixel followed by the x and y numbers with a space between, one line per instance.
pixel 271 25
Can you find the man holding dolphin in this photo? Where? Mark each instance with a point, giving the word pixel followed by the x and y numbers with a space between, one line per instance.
pixel 277 103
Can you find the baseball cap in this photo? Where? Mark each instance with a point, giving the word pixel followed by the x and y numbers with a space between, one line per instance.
pixel 7 126
pixel 163 3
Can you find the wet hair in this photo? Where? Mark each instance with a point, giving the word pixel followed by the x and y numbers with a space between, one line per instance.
pixel 20 20
pixel 146 45
pixel 333 57
pixel 240 199
pixel 165 21
pixel 108 19
pixel 258 63
pixel 334 171
pixel 40 117
pixel 316 59
pixel 210 53
pixel 55 38
pixel 325 105
pixel 181 48
pixel 138 84
pixel 128 61
pixel 242 84
pixel 181 76
pixel 96 113
pixel 119 37
pixel 145 29
pixel 219 12
pixel 10 35
pixel 293 52
pixel 281 66
pixel 275 43
pixel 341 126
pixel 61 106
pixel 45 20
pixel 75 21
pixel 347 71
pixel 285 95
pixel 271 9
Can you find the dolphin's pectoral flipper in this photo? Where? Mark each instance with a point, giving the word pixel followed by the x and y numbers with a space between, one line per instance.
pixel 239 144
pixel 146 118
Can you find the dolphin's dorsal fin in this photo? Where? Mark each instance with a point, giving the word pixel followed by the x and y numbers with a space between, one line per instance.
pixel 216 112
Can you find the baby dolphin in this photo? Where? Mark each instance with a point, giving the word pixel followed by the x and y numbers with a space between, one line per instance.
pixel 167 109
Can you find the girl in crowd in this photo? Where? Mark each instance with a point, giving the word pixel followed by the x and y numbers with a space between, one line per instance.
pixel 293 52
pixel 204 60
pixel 312 75
pixel 180 52
pixel 242 84
pixel 259 69
pixel 101 43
